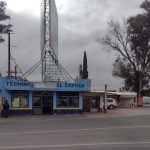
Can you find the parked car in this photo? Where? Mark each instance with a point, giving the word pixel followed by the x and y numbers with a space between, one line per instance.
pixel 111 103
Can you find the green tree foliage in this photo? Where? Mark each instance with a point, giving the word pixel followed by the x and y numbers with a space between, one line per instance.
pixel 3 17
pixel 123 69
pixel 85 67
pixel 132 42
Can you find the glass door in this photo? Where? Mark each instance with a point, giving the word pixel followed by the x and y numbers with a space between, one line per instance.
pixel 46 104
pixel 37 105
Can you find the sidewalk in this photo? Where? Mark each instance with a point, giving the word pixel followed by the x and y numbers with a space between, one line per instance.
pixel 120 112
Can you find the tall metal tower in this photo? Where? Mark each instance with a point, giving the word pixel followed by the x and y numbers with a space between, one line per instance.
pixel 52 71
pixel 49 40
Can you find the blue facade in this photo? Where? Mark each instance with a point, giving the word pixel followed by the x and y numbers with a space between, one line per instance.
pixel 27 97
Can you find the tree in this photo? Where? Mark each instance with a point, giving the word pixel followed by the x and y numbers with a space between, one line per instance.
pixel 80 71
pixel 3 28
pixel 123 70
pixel 131 42
pixel 85 66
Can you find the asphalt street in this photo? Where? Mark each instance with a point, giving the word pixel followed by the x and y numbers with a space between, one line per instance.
pixel 101 132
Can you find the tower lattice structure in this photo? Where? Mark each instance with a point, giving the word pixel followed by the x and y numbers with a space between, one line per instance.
pixel 52 71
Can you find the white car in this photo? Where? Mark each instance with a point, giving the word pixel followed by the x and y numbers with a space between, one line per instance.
pixel 111 103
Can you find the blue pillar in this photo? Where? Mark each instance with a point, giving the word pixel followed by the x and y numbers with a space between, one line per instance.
pixel 54 99
pixel 81 102
pixel 30 99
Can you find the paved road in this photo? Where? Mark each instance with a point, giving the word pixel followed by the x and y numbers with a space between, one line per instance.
pixel 102 132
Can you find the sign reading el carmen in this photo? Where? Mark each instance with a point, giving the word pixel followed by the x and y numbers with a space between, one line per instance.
pixel 70 85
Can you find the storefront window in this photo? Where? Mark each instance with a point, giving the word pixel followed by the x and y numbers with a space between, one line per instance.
pixel 15 102
pixel 20 99
pixel 24 101
pixel 68 101
pixel 73 102
pixel 62 102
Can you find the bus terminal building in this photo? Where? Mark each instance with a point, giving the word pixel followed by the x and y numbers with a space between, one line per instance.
pixel 37 98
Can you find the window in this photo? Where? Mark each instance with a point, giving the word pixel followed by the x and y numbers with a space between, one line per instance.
pixel 62 101
pixel 109 100
pixel 68 101
pixel 24 101
pixel 15 102
pixel 20 99
pixel 73 102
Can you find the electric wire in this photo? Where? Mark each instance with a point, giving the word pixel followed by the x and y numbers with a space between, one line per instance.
pixel 34 67
pixel 62 71
pixel 20 71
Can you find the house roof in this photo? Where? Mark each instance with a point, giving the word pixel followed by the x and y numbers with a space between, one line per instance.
pixel 116 93
pixel 123 93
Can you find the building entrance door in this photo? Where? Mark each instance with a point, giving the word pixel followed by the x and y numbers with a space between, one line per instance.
pixel 94 104
pixel 46 105
pixel 37 105
pixel 42 104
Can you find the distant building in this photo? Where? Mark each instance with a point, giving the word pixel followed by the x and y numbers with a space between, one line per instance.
pixel 93 101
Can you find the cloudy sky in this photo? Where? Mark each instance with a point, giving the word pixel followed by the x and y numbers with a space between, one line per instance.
pixel 80 23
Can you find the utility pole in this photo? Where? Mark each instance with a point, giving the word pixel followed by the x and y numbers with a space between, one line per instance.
pixel 105 100
pixel 15 71
pixel 8 54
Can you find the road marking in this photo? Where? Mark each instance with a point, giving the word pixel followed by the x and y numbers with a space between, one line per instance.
pixel 73 130
pixel 77 145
